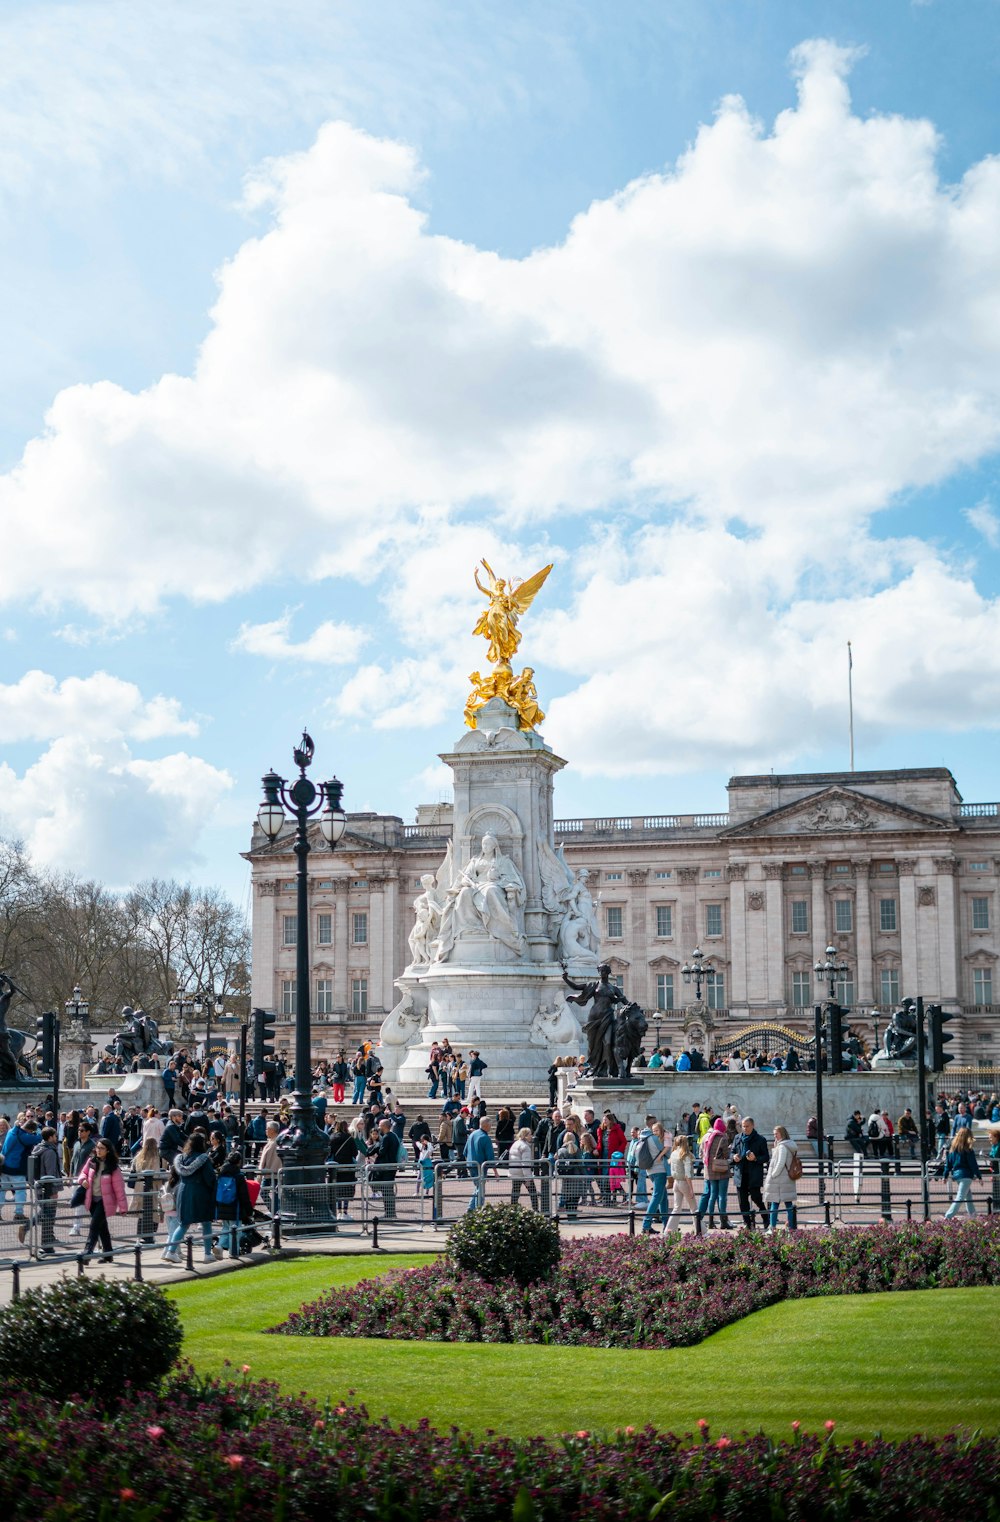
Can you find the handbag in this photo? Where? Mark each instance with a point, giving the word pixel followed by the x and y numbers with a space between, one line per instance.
pixel 78 1197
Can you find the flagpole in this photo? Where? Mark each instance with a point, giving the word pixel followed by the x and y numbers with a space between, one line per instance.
pixel 850 697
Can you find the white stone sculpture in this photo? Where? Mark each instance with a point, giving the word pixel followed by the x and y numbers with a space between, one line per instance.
pixel 567 898
pixel 556 1026
pixel 404 1022
pixel 427 908
pixel 487 895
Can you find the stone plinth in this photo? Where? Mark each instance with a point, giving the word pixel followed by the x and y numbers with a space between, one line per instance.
pixel 786 1099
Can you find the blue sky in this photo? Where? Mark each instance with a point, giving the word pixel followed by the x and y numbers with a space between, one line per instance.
pixel 308 311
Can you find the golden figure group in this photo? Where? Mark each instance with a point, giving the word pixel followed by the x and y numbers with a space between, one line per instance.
pixel 498 624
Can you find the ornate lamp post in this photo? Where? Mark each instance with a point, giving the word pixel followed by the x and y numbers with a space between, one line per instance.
pixel 180 1008
pixel 76 1038
pixel 874 1017
pixel 700 970
pixel 307 1146
pixel 832 970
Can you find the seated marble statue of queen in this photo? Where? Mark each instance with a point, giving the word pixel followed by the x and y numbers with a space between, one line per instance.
pixel 487 894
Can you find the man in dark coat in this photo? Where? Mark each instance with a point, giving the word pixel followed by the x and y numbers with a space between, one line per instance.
pixel 750 1159
pixel 387 1152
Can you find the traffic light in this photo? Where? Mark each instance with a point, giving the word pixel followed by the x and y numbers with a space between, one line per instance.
pixel 835 1040
pixel 939 1037
pixel 263 1039
pixel 45 1034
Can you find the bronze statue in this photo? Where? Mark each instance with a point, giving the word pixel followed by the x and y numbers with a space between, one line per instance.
pixel 900 1039
pixel 140 1037
pixel 600 1027
pixel 12 1042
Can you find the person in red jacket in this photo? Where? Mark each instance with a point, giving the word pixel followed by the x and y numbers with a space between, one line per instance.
pixel 611 1138
pixel 105 1196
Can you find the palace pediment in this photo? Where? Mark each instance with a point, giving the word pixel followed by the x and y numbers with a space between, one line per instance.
pixel 838 811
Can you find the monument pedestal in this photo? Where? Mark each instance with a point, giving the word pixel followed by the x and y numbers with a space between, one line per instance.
pixel 492 971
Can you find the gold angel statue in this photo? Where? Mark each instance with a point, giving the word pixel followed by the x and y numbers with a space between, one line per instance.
pixel 508 600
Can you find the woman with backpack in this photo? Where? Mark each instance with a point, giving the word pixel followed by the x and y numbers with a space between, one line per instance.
pixel 233 1206
pixel 783 1172
pixel 651 1158
pixel 194 1197
pixel 963 1167
pixel 715 1156
pixel 145 1187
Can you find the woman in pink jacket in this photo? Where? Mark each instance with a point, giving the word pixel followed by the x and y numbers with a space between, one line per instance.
pixel 102 1179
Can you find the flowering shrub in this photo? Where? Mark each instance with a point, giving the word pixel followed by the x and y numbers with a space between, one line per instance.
pixel 259 1455
pixel 635 1292
pixel 89 1336
pixel 505 1242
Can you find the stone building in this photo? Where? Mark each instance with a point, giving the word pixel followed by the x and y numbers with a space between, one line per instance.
pixel 891 868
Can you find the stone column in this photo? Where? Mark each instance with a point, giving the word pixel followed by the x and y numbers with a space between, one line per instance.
pixel 341 931
pixel 376 933
pixel 264 929
pixel 820 928
pixel 738 982
pixel 864 992
pixel 774 875
pixel 638 938
pixel 911 973
pixel 952 990
pixel 687 909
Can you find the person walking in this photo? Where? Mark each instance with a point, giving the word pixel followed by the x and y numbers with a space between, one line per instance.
pixel 477 1067
pixel 652 1159
pixel 478 1154
pixel 145 1187
pixel 715 1160
pixel 104 1197
pixel 233 1205
pixel 751 1156
pixel 963 1167
pixel 521 1164
pixel 682 1173
pixel 194 1198
pixel 779 1182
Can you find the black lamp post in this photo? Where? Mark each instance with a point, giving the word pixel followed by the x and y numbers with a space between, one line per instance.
pixel 306 1146
pixel 875 1023
pixel 700 970
pixel 181 1007
pixel 832 970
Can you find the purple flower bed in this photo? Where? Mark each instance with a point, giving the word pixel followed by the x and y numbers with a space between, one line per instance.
pixel 637 1292
pixel 204 1447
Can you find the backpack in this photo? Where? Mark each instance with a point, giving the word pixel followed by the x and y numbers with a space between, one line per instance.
pixel 647 1153
pixel 13 1150
pixel 225 1190
pixel 794 1167
pixel 874 1130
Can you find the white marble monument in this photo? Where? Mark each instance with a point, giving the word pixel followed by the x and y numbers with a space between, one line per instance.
pixel 495 924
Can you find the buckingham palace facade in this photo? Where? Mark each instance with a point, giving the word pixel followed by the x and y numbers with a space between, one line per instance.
pixel 890 868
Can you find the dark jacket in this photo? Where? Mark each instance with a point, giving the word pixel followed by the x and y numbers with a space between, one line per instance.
pixel 195 1193
pixel 963 1164
pixel 750 1174
pixel 171 1142
pixel 855 1134
pixel 239 1209
pixel 388 1154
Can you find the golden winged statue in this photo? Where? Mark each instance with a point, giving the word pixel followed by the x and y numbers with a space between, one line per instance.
pixel 498 624
pixel 508 600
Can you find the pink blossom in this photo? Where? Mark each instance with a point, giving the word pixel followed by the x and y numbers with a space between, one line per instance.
pixel 724 1442
pixel 583 1434
pixel 244 1368
pixel 126 1494
pixel 319 1424
pixel 796 1426
pixel 154 1432
pixel 702 1424
pixel 829 1426
pixel 234 1460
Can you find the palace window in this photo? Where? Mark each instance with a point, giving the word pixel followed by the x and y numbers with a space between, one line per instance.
pixel 801 990
pixel 288 996
pixel 800 916
pixel 324 929
pixel 612 877
pixel 843 916
pixel 613 921
pixel 359 996
pixel 980 914
pixel 289 930
pixel 845 991
pixel 662 876
pixel 618 979
pixel 889 987
pixel 717 992
pixel 979 866
pixel 324 996
pixel 664 990
pixel 664 919
pixel 887 914
pixel 359 929
pixel 713 871
pixel 982 985
pixel 713 919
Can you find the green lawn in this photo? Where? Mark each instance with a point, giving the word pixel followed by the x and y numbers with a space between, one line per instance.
pixel 899 1364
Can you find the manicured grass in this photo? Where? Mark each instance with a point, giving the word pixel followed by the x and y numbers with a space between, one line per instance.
pixel 896 1364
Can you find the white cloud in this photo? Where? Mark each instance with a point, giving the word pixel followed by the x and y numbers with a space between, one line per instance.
pixel 89 807
pixel 784 330
pixel 984 520
pixel 330 644
pixel 100 707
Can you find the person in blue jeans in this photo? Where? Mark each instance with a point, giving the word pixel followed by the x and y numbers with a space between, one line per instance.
pixel 656 1175
pixel 360 1080
pixel 715 1153
pixel 963 1167
pixel 478 1153
pixel 779 1186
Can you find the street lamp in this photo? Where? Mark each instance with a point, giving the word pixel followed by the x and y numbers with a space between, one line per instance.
pixel 832 970
pixel 77 1007
pixel 700 970
pixel 875 1014
pixel 181 1007
pixel 306 1146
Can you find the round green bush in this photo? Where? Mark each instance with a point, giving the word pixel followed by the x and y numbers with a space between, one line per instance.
pixel 89 1337
pixel 505 1242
